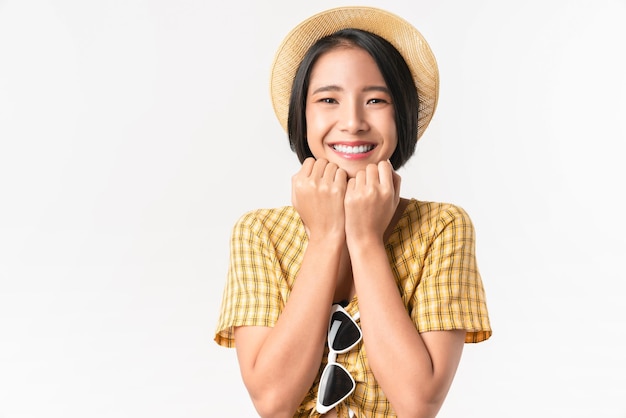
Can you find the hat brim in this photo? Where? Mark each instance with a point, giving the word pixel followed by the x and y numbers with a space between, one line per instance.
pixel 400 33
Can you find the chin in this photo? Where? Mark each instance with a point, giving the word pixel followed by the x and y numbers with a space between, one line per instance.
pixel 352 169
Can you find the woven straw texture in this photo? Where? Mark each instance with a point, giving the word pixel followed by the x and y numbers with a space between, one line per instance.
pixel 401 34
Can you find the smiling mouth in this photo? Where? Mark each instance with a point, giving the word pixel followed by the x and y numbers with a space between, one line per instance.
pixel 358 149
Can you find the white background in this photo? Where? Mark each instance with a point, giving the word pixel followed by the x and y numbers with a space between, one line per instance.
pixel 133 133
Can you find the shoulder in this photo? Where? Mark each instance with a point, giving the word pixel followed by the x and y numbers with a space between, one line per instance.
pixel 284 217
pixel 437 216
pixel 437 211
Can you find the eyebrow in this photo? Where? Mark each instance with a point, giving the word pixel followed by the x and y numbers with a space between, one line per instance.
pixel 334 87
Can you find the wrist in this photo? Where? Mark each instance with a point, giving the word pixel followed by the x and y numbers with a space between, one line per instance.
pixel 364 243
pixel 331 239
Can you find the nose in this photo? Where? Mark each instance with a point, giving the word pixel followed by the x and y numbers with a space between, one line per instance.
pixel 352 117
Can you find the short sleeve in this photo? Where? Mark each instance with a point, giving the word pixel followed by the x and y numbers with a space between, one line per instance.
pixel 251 295
pixel 450 294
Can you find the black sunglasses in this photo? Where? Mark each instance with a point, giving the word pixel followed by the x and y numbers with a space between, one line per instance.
pixel 336 384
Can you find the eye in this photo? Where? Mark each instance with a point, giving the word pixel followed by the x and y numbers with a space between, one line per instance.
pixel 328 100
pixel 376 101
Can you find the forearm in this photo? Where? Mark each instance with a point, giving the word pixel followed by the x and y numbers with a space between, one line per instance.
pixel 288 360
pixel 396 352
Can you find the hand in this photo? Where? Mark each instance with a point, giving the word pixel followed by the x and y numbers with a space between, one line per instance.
pixel 317 193
pixel 372 197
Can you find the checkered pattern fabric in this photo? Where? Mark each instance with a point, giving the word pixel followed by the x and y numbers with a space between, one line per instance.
pixel 432 256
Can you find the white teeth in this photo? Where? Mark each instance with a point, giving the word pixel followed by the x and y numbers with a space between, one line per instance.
pixel 359 149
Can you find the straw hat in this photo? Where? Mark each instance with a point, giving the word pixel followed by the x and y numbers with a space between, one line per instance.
pixel 401 34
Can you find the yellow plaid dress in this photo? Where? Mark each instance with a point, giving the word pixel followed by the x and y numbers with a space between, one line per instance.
pixel 432 256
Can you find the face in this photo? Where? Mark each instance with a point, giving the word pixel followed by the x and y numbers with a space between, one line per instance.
pixel 349 113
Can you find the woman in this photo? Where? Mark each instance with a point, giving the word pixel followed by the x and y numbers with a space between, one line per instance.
pixel 353 301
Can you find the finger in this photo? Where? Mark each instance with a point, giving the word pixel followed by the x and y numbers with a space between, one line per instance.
pixel 385 174
pixel 351 184
pixel 360 179
pixel 330 170
pixel 341 176
pixel 319 167
pixel 307 166
pixel 371 174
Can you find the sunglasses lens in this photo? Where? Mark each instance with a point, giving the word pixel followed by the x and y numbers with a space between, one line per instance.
pixel 336 385
pixel 348 333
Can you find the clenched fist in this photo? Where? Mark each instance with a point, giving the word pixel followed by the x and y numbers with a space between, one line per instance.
pixel 318 192
pixel 372 197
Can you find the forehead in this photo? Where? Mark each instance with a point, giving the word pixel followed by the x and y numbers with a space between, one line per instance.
pixel 348 63
pixel 344 51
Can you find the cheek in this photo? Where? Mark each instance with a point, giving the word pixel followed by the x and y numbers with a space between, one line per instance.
pixel 315 125
pixel 312 135
pixel 392 149
pixel 312 117
pixel 392 134
pixel 309 119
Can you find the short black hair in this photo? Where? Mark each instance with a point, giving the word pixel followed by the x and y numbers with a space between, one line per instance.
pixel 395 72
